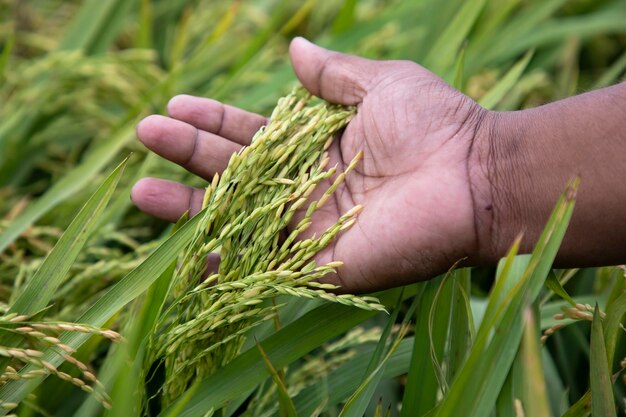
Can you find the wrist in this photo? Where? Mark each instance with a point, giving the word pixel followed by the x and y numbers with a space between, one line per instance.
pixel 496 172
pixel 520 162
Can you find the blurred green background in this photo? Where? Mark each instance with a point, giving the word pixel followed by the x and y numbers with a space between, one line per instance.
pixel 76 77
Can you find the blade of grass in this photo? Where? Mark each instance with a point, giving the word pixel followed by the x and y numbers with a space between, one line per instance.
pixel 439 318
pixel 358 402
pixel 506 83
pixel 616 275
pixel 421 386
pixel 562 277
pixel 443 52
pixel 555 286
pixel 298 17
pixel 183 401
pixel 489 47
pixel 602 403
pixel 459 67
pixel 461 324
pixel 42 286
pixel 508 273
pixel 286 405
pixel 512 390
pixel 581 408
pixel 379 352
pixel 612 325
pixel 144 33
pixel 557 394
pixel 125 382
pixel 569 68
pixel 120 205
pixel 494 16
pixel 535 398
pixel 345 18
pixel 6 54
pixel 361 398
pixel 180 41
pixel 95 26
pixel 611 75
pixel 279 15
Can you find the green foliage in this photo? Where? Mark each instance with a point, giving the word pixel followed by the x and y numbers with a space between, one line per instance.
pixel 75 78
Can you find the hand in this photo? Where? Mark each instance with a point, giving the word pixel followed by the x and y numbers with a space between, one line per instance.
pixel 416 179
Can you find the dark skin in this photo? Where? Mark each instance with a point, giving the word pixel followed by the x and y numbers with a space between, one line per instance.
pixel 442 179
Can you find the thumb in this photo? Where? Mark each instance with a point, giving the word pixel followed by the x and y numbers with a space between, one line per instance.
pixel 333 76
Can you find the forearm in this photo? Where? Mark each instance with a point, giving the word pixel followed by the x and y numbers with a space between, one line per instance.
pixel 527 158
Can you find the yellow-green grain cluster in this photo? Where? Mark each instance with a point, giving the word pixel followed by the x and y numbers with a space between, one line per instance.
pixel 29 363
pixel 246 210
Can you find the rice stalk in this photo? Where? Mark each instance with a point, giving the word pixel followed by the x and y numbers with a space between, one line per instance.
pixel 247 209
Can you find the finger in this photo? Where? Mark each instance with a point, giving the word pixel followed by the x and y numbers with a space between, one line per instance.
pixel 333 76
pixel 167 200
pixel 212 116
pixel 196 150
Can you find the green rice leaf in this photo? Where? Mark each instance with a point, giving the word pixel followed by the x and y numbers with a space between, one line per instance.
pixel 535 400
pixel 610 76
pixel 508 273
pixel 41 288
pixel 459 67
pixel 553 284
pixel 6 54
pixel 358 402
pixel 119 378
pixel 495 44
pixel 286 405
pixel 582 407
pixel 421 387
pixel 439 318
pixel 602 403
pixel 512 390
pixel 95 26
pixel 361 398
pixel 612 325
pixel 345 18
pixel 461 323
pixel 127 381
pixel 446 48
pixel 506 83
pixel 145 24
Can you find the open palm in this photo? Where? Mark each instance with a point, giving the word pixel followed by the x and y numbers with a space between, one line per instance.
pixel 415 131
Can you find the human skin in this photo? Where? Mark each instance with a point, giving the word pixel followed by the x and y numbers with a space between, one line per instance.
pixel 441 180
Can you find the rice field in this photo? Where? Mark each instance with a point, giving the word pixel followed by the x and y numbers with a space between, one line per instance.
pixel 106 311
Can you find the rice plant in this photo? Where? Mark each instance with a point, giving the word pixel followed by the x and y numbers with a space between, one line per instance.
pixel 105 311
